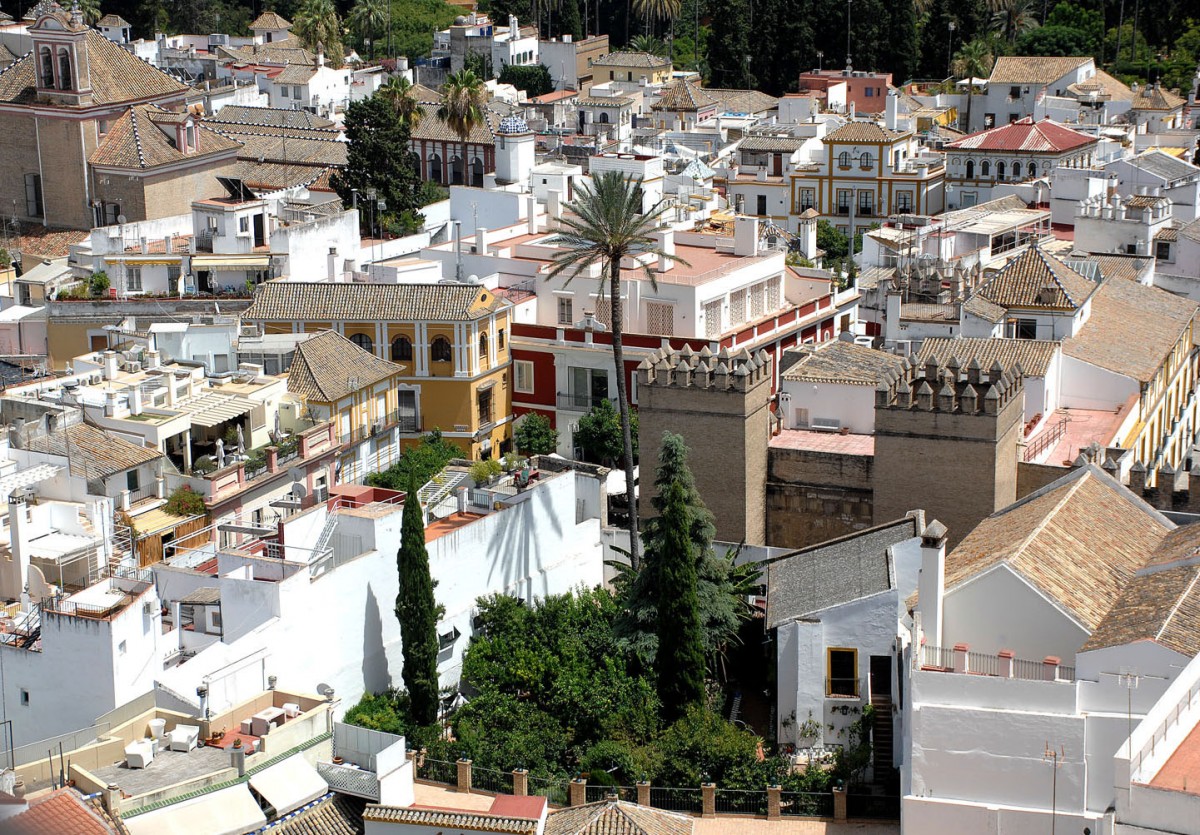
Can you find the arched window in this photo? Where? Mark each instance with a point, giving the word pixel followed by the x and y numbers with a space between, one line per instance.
pixel 64 69
pixel 401 349
pixel 1032 170
pixel 477 173
pixel 603 117
pixel 866 161
pixel 1000 170
pixel 1016 170
pixel 439 349
pixel 47 67
pixel 483 346
pixel 970 169
pixel 363 341
pixel 435 168
pixel 985 168
pixel 456 170
pixel 844 159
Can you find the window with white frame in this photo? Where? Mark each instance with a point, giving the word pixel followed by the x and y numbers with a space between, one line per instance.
pixel 244 224
pixel 133 279
pixel 523 376
pixel 566 310
pixel 712 319
pixel 737 307
pixel 660 318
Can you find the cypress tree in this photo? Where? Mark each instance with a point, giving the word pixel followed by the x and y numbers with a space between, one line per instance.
pixel 680 659
pixel 417 612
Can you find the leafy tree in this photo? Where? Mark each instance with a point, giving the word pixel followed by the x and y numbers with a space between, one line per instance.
pixel 829 238
pixel 899 57
pixel 367 19
pixel 648 43
pixel 608 225
pixel 462 109
pixel 5 259
pixel 657 11
pixel 479 63
pixel 599 434
pixel 413 24
pixel 379 158
pixel 702 745
pixel 975 60
pixel 1013 18
pixel 417 612
pixel 99 283
pixel 729 45
pixel 569 20
pixel 184 501
pixel 534 435
pixel 398 92
pixel 421 462
pixel 680 657
pixel 90 9
pixel 535 81
pixel 318 24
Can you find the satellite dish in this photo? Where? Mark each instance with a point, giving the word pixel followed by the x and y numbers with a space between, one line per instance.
pixel 122 219
pixel 299 490
pixel 296 474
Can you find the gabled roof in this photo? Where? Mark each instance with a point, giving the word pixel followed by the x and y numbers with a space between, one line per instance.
pixel 1126 267
pixel 269 117
pixel 785 144
pixel 270 20
pixel 1046 136
pixel 863 132
pixel 1078 540
pixel 1037 279
pixel 1034 355
pixel 452 819
pixel 92 452
pixel 329 366
pixel 842 362
pixel 684 95
pixel 1016 69
pixel 277 52
pixel 135 141
pixel 1105 87
pixel 335 814
pixel 433 128
pixel 1163 165
pixel 306 301
pixel 117 77
pixel 616 817
pixel 977 305
pixel 1153 97
pixel 1132 329
pixel 848 568
pixel 113 21
pixel 631 59
pixel 64 812
pixel 742 101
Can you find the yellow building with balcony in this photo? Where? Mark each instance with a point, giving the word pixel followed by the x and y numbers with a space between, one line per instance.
pixel 452 340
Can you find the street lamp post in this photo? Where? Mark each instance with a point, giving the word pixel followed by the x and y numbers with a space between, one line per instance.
pixel 950 46
pixel 848 21
pixel 820 57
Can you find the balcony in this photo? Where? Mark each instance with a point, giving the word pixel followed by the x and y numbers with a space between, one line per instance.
pixel 960 659
pixel 580 402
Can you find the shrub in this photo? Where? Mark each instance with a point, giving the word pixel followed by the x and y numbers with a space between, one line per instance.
pixel 185 502
pixel 5 259
pixel 484 471
pixel 535 435
pixel 99 283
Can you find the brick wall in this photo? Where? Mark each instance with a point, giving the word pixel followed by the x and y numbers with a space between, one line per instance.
pixel 815 496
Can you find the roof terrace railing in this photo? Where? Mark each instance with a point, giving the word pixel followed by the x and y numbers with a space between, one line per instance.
pixel 1003 664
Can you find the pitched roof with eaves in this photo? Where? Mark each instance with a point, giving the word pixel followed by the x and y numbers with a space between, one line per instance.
pixel 1079 541
pixel 113 21
pixel 1153 97
pixel 1033 355
pixel 117 77
pixel 616 817
pixel 843 362
pixel 329 367
pixel 434 129
pixel 864 132
pixel 136 141
pixel 270 117
pixel 631 59
pixel 684 95
pixel 270 20
pixel 1044 136
pixel 1021 69
pixel 304 301
pixel 1036 279
pixel 92 452
pixel 452 819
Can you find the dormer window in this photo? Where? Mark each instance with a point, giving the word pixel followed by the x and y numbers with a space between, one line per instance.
pixel 47 66
pixel 64 69
pixel 191 138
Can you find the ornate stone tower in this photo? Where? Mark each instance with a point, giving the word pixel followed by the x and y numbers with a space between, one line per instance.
pixel 719 404
pixel 946 442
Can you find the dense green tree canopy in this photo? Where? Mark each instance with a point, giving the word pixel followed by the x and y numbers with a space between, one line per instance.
pixel 378 158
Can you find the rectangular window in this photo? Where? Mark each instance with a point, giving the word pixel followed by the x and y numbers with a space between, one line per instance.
pixel 1014 92
pixel 842 672
pixel 566 311
pixel 758 300
pixel 112 211
pixel 296 92
pixel 904 201
pixel 485 407
pixel 24 697
pixel 131 480
pixel 244 225
pixel 808 199
pixel 843 201
pixel 33 195
pixel 500 339
pixel 870 92
pixel 586 387
pixel 121 647
pixel 604 311
pixel 866 203
pixel 216 619
pixel 660 318
pixel 283 90
pixel 523 376
pixel 712 319
pixel 1022 329
pixel 133 279
pixel 774 292
pixel 762 205
pixel 1162 250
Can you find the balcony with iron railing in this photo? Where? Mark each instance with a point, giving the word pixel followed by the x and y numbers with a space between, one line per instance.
pixel 581 401
pixel 960 659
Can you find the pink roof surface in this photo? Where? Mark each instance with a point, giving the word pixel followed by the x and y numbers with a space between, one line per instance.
pixel 512 806
pixel 1046 136
pixel 817 441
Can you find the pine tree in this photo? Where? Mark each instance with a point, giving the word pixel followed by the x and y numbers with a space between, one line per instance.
pixel 418 613
pixel 570 21
pixel 379 158
pixel 680 659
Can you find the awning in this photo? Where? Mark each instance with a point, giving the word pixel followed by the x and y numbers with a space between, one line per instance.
pixel 26 478
pixel 289 785
pixel 211 409
pixel 232 811
pixel 230 262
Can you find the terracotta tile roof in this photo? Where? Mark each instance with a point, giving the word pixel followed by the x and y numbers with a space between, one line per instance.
pixel 113 21
pixel 977 305
pixel 273 176
pixel 1124 267
pixel 40 242
pixel 135 141
pixel 1015 69
pixel 426 95
pixel 240 129
pixel 842 362
pixel 1161 603
pixel 282 52
pixel 4 16
pixel 925 312
pixel 433 128
pixel 616 817
pixel 339 302
pixel 1170 233
pixel 742 101
pixel 93 452
pixel 329 367
pixel 292 150
pixel 1046 136
pixel 43 7
pixel 1037 279
pixel 631 59
pixel 863 132
pixel 605 101
pixel 1079 541
pixel 1034 355
pixel 270 20
pixel 6 56
pixel 454 819
pixel 549 98
pixel 786 144
pixel 1104 86
pixel 1153 97
pixel 62 813
pixel 682 95
pixel 335 814
pixel 1132 329
pixel 269 117
pixel 296 74
pixel 117 77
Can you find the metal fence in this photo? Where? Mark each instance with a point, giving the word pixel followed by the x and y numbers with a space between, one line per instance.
pixel 677 800
pixel 491 780
pixel 553 789
pixel 741 802
pixel 438 771
pixel 812 804
pixel 874 806
pixel 594 794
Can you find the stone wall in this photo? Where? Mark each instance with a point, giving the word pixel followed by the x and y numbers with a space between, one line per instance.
pixel 815 496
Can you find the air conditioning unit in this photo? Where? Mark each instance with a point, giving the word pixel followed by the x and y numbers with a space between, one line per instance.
pixel 377 427
pixel 148 608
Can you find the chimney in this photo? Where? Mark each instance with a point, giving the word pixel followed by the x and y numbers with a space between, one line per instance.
pixel 151 360
pixel 331 263
pixel 111 364
pixel 666 241
pixel 554 203
pixel 745 236
pixel 481 240
pixel 532 210
pixel 320 60
pixel 892 110
pixel 145 246
pixel 168 244
pixel 110 403
pixel 135 400
pixel 932 581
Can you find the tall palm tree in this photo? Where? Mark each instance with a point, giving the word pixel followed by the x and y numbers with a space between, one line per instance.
pixel 462 109
pixel 90 9
pixel 399 93
pixel 317 24
pixel 651 11
pixel 607 225
pixel 973 60
pixel 1013 18
pixel 648 43
pixel 367 19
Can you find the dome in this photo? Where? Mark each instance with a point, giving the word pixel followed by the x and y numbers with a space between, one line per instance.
pixel 513 124
pixel 460 21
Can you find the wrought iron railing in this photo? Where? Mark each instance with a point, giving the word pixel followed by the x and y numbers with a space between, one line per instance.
pixel 596 793
pixel 811 804
pixel 677 800
pixel 873 806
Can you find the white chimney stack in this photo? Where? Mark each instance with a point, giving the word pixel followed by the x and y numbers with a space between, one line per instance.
pixel 110 365
pixel 666 241
pixel 531 208
pixel 331 263
pixel 931 583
